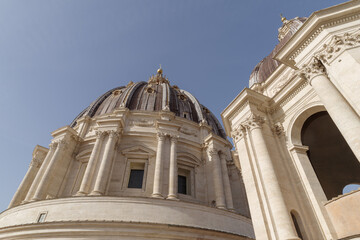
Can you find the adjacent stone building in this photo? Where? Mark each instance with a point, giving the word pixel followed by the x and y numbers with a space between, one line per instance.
pixel 148 161
pixel 296 130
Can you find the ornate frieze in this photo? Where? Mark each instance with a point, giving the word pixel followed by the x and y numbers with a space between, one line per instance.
pixel 337 45
pixel 320 29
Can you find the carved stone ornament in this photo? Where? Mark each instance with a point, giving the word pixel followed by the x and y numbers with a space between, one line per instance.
pixel 113 134
pixel 174 138
pixel 212 152
pixel 284 80
pixel 313 69
pixel 188 131
pixel 337 44
pixel 278 129
pixel 142 123
pixel 238 133
pixel 99 134
pixel 36 162
pixel 161 136
pixel 253 121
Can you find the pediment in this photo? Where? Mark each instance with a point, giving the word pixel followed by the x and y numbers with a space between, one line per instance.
pixel 188 159
pixel 138 150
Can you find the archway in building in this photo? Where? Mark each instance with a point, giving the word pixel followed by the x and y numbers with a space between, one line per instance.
pixel 332 159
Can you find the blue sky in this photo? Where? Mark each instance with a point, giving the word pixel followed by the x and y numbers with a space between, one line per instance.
pixel 56 57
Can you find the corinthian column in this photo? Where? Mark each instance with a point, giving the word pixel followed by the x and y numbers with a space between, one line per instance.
pixel 45 180
pixel 40 173
pixel 90 168
pixel 338 108
pixel 105 165
pixel 218 179
pixel 278 210
pixel 226 180
pixel 26 182
pixel 173 175
pixel 158 166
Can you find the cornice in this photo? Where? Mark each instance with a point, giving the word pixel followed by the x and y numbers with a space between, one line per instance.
pixel 245 98
pixel 316 24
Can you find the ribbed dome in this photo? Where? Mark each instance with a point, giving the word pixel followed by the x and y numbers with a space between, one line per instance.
pixel 268 65
pixel 154 95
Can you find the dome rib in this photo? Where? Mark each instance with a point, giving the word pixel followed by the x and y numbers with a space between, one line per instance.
pixel 155 96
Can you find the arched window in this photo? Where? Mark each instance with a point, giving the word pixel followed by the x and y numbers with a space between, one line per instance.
pixel 332 159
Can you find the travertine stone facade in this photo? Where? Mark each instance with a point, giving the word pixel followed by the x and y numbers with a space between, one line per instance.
pixel 269 123
pixel 83 183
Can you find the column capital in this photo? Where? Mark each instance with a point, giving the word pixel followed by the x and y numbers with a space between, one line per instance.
pixel 253 121
pixel 213 151
pixel 174 138
pixel 238 133
pixel 313 69
pixel 161 136
pixel 113 134
pixel 100 134
pixel 36 162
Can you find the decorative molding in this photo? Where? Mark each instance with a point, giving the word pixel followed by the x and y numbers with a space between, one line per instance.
pixel 188 131
pixel 284 81
pixel 337 45
pixel 320 29
pixel 142 123
pixel 291 96
pixel 239 110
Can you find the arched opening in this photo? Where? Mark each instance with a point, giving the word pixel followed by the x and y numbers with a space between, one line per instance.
pixel 350 187
pixel 332 159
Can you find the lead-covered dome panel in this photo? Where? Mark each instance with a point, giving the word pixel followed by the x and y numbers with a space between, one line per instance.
pixel 155 95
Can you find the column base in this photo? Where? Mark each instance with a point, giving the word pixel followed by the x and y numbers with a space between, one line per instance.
pixel 95 193
pixel 221 207
pixel 172 197
pixel 80 194
pixel 157 195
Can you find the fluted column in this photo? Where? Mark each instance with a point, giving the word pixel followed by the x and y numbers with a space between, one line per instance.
pixel 90 168
pixel 278 210
pixel 340 111
pixel 173 169
pixel 226 181
pixel 105 165
pixel 157 188
pixel 218 179
pixel 45 180
pixel 26 182
pixel 40 172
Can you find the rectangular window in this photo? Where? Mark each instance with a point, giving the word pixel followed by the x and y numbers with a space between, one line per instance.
pixel 136 178
pixel 182 184
pixel 41 217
